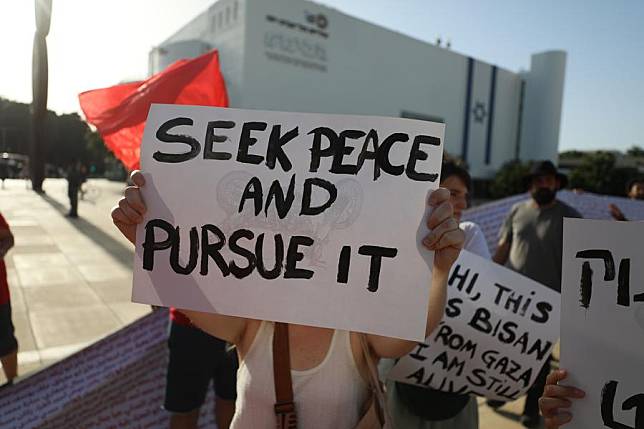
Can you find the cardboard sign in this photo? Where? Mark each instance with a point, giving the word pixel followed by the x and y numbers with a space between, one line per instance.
pixel 498 330
pixel 602 329
pixel 301 218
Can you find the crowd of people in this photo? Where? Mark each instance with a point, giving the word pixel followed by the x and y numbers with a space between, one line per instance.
pixel 530 242
pixel 330 368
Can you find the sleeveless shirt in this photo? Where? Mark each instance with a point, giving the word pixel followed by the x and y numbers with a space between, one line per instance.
pixel 330 395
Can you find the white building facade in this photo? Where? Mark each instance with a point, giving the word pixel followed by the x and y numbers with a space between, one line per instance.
pixel 296 55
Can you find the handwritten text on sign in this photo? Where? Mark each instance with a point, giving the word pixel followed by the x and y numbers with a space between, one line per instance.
pixel 603 318
pixel 303 218
pixel 498 329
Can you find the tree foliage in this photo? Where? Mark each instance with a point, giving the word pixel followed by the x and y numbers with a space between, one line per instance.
pixel 635 151
pixel 509 179
pixel 67 137
pixel 597 173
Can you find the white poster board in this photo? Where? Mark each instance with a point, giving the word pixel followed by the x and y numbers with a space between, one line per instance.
pixel 302 218
pixel 602 327
pixel 498 330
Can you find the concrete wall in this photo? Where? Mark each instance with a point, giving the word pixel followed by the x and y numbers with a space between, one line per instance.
pixel 223 27
pixel 296 55
pixel 542 106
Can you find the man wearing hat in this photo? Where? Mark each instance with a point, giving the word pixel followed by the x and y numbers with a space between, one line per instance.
pixel 530 242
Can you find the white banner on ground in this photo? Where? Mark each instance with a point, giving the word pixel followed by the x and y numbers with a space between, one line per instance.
pixel 602 329
pixel 303 218
pixel 499 328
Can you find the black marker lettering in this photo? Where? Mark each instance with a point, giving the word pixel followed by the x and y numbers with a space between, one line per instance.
pixel 211 137
pixel 163 135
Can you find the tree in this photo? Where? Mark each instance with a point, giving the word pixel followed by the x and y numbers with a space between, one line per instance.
pixel 597 173
pixel 67 137
pixel 635 151
pixel 571 154
pixel 509 179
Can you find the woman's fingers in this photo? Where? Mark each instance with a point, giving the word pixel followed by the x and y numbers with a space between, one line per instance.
pixel 127 210
pixel 438 196
pixel 133 196
pixel 435 235
pixel 550 406
pixel 454 238
pixel 556 376
pixel 119 216
pixel 555 397
pixel 556 391
pixel 137 178
pixel 439 214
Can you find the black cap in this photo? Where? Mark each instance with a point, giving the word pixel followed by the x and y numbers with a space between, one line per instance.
pixel 545 168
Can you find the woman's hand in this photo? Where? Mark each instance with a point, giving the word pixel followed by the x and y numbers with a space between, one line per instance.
pixel 445 238
pixel 131 208
pixel 555 398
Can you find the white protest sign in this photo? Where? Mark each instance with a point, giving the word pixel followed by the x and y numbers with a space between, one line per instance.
pixel 498 330
pixel 602 326
pixel 302 218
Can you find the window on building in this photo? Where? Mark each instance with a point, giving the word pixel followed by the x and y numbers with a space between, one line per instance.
pixel 227 15
pixel 235 7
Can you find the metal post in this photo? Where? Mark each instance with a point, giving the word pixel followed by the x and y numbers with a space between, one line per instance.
pixel 39 89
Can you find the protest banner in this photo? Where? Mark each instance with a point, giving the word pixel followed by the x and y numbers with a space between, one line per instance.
pixel 602 326
pixel 498 330
pixel 302 218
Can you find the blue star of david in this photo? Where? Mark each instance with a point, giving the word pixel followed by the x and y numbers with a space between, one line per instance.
pixel 479 112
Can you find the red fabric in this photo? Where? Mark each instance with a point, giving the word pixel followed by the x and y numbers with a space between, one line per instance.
pixel 119 112
pixel 4 286
pixel 177 317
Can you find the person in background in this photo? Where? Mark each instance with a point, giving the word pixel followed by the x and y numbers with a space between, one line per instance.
pixel 8 342
pixel 74 182
pixel 530 243
pixel 634 191
pixel 196 358
pixel 425 408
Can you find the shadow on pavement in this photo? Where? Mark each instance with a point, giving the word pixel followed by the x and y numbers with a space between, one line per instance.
pixel 121 252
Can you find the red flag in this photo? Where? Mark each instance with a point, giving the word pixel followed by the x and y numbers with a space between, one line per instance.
pixel 119 112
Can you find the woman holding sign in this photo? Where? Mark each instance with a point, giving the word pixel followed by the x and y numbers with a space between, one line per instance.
pixel 329 368
pixel 419 407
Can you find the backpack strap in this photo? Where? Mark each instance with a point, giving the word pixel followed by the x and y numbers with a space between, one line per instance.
pixel 284 405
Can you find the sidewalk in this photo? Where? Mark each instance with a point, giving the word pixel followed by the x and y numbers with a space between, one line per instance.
pixel 71 279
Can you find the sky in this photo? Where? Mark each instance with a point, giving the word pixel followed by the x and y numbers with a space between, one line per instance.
pixel 94 44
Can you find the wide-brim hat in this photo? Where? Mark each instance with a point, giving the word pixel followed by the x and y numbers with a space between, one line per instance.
pixel 544 168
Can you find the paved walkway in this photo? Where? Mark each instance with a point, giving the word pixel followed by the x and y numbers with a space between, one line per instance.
pixel 70 279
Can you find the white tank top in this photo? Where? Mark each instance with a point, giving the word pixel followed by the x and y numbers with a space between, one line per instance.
pixel 328 396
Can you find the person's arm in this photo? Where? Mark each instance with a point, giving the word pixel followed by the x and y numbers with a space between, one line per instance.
pixel 616 213
pixel 446 240
pixel 6 241
pixel 556 399
pixel 502 253
pixel 126 216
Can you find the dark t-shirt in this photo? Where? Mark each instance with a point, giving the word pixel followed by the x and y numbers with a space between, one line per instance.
pixel 536 240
